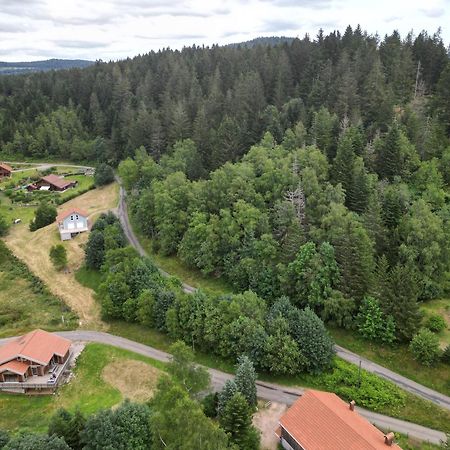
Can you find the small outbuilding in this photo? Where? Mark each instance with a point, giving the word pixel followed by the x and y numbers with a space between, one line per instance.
pixel 71 222
pixel 5 170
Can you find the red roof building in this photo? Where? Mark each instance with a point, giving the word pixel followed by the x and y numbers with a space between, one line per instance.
pixel 36 354
pixel 55 183
pixel 63 215
pixel 5 170
pixel 322 421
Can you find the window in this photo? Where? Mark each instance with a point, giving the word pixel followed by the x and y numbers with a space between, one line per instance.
pixel 71 217
pixel 76 217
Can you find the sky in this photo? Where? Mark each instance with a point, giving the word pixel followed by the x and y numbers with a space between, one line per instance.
pixel 115 29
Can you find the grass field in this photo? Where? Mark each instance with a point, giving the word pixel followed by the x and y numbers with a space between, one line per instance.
pixel 25 303
pixel 407 443
pixel 174 266
pixel 84 184
pixel 396 358
pixel 34 247
pixel 96 384
pixel 441 307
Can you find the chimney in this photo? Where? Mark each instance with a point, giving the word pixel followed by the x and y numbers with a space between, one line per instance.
pixel 352 405
pixel 389 438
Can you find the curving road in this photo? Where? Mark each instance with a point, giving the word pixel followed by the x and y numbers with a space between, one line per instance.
pixel 267 391
pixel 43 166
pixel 401 381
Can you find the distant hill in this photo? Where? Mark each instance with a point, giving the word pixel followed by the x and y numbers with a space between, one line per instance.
pixel 12 68
pixel 271 40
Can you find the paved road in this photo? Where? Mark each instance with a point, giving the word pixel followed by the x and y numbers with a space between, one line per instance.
pixel 122 213
pixel 43 166
pixel 266 391
pixel 401 381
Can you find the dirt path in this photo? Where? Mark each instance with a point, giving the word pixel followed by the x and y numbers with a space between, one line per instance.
pixel 33 249
pixel 266 420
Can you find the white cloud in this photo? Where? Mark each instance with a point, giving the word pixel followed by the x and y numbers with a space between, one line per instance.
pixel 113 29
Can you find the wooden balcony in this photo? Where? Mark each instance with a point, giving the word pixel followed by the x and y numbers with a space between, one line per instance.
pixel 50 380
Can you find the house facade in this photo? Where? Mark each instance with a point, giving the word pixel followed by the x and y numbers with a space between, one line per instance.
pixel 72 222
pixel 322 421
pixel 33 362
pixel 5 171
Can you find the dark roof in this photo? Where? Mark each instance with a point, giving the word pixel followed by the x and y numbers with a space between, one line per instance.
pixel 6 167
pixel 322 421
pixel 54 180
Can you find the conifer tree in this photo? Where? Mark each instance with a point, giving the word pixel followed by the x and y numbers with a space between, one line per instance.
pixel 389 158
pixel 246 380
pixel 236 420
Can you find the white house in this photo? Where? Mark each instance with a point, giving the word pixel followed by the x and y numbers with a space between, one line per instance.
pixel 72 222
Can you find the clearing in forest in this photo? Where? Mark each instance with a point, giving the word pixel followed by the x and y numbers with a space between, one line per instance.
pixel 33 249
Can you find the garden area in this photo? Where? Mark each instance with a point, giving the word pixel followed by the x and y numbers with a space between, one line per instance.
pixel 96 384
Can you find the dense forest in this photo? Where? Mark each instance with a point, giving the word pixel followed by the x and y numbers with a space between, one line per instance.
pixel 313 172
pixel 225 98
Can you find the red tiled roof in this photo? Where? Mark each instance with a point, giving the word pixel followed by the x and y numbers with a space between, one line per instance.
pixel 6 167
pixel 68 212
pixel 57 181
pixel 18 367
pixel 38 346
pixel 322 421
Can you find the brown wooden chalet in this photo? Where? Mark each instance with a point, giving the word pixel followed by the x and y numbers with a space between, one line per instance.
pixel 322 421
pixel 54 183
pixel 5 170
pixel 35 361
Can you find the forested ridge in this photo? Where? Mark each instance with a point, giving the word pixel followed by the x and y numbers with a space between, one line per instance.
pixel 314 171
pixel 225 98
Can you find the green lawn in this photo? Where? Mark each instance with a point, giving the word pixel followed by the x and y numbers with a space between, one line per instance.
pixel 84 184
pixel 407 443
pixel 86 391
pixel 16 177
pixel 442 307
pixel 11 211
pixel 25 302
pixel 88 277
pixel 174 266
pixel 396 358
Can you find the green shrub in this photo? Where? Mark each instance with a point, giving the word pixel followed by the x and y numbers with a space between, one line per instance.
pixel 58 255
pixel 3 226
pixel 368 390
pixel 436 323
pixel 425 347
pixel 104 174
pixel 44 215
pixel 446 355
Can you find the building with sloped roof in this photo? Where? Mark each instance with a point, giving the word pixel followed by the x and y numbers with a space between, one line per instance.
pixel 33 362
pixel 322 421
pixel 5 170
pixel 53 182
pixel 71 222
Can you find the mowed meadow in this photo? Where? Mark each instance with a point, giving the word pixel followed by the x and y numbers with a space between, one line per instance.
pixel 33 249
